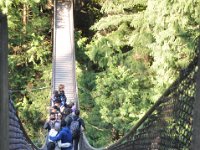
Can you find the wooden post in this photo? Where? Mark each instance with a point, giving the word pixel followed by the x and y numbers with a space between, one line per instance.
pixel 196 112
pixel 4 109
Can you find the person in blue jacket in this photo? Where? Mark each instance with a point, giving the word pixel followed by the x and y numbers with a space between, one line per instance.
pixel 64 135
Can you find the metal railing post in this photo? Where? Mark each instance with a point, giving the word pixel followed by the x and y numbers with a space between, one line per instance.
pixel 4 102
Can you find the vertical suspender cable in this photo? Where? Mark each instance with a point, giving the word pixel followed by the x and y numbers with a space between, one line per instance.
pixel 54 46
pixel 71 26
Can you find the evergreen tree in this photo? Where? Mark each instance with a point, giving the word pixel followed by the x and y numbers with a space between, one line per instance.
pixel 175 28
pixel 118 91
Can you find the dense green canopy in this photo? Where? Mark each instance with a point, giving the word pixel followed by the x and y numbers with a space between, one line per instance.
pixel 128 52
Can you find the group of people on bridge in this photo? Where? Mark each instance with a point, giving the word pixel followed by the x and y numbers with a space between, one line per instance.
pixel 64 124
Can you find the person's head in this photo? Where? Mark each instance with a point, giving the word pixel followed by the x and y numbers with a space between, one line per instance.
pixel 57 102
pixel 55 93
pixel 71 104
pixel 61 87
pixel 55 109
pixel 59 116
pixel 63 123
pixel 51 146
pixel 77 112
pixel 62 93
pixel 57 125
pixel 52 116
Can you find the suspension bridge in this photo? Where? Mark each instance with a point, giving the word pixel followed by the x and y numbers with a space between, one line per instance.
pixel 172 123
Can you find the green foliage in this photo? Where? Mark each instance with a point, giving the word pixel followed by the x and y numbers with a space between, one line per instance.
pixel 175 28
pixel 117 95
pixel 86 83
pixel 30 61
pixel 121 97
pixel 32 110
pixel 111 7
pixel 135 54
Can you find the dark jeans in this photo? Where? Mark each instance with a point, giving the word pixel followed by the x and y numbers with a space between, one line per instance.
pixel 75 142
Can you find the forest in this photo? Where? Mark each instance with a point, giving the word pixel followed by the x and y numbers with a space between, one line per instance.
pixel 128 52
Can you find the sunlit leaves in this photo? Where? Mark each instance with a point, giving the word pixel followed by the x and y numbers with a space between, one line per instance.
pixel 119 95
pixel 175 33
pixel 122 6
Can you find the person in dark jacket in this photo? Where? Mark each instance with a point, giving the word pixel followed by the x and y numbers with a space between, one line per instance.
pixel 81 128
pixel 49 123
pixel 54 96
pixel 61 91
pixel 68 118
pixel 64 135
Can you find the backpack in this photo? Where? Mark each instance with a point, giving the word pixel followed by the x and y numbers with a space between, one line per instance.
pixel 68 120
pixel 75 128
